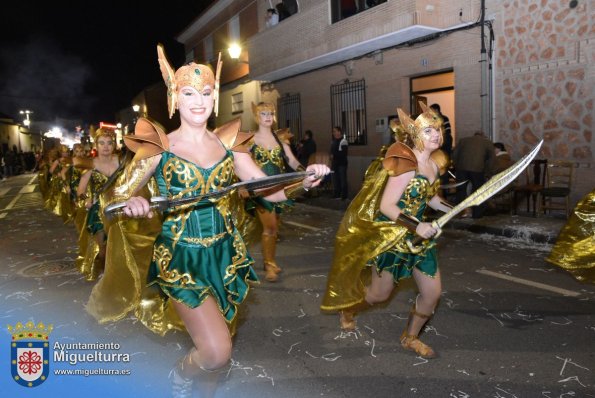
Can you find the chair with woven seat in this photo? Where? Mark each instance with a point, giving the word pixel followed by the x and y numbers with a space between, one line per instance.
pixel 530 186
pixel 556 193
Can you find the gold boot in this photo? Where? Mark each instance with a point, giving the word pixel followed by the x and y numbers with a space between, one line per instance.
pixel 347 316
pixel 269 244
pixel 411 342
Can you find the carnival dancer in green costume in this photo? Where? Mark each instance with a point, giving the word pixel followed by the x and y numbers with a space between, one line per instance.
pixel 271 152
pixel 90 186
pixel 200 261
pixel 372 240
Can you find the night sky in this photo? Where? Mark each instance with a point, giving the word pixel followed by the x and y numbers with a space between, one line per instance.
pixel 85 59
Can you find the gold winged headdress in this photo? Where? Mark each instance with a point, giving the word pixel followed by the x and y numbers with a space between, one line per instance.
pixel 193 75
pixel 428 118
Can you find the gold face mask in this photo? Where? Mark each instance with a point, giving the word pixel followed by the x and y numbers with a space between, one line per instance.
pixel 194 75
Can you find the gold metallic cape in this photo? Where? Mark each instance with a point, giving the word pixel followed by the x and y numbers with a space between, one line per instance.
pixel 348 275
pixel 574 250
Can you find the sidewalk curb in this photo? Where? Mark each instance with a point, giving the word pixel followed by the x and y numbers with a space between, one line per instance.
pixel 507 232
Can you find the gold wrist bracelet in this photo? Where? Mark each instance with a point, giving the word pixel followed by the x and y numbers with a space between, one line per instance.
pixel 407 221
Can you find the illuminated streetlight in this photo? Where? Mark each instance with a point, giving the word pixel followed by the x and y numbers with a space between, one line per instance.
pixel 235 51
pixel 136 108
pixel 26 122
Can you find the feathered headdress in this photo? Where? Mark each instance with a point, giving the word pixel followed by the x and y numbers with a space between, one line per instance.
pixel 428 118
pixel 193 75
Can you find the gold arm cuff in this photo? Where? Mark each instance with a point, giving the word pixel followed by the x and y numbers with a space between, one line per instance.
pixel 128 182
pixel 300 168
pixel 294 190
pixel 407 221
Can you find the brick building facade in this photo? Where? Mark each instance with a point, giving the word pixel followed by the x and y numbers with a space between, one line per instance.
pixel 540 84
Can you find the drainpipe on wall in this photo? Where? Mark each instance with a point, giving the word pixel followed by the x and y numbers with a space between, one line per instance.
pixel 485 99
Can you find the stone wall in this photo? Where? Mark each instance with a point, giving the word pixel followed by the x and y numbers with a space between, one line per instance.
pixel 544 81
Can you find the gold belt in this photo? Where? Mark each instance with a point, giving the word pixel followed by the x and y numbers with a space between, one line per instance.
pixel 206 242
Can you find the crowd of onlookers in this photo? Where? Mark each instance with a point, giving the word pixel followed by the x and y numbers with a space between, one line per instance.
pixel 14 162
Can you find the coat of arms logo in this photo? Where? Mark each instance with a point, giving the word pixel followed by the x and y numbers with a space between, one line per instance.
pixel 30 353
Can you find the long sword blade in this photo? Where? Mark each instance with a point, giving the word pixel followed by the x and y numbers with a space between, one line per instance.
pixel 250 185
pixel 163 203
pixel 492 187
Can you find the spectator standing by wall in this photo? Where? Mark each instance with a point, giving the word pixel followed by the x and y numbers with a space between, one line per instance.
pixel 446 146
pixel 306 148
pixel 339 147
pixel 473 158
pixel 502 159
pixel 10 161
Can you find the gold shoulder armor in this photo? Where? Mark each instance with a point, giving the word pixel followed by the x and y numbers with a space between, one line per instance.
pixel 441 159
pixel 149 139
pixel 399 159
pixel 284 135
pixel 82 163
pixel 232 138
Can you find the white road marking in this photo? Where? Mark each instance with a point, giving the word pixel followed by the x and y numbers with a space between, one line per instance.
pixel 11 204
pixel 297 224
pixel 4 191
pixel 538 285
pixel 27 189
pixel 32 179
pixel 2 215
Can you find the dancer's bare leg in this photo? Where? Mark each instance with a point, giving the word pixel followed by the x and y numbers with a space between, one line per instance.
pixel 212 344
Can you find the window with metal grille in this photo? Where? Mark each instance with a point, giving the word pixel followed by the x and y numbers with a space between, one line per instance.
pixel 348 110
pixel 289 114
pixel 237 102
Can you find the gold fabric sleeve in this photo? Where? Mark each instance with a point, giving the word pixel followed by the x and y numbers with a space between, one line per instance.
pixel 128 182
pixel 359 239
pixel 574 249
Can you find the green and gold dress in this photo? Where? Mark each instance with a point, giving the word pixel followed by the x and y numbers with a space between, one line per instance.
pixel 367 239
pixel 271 162
pixel 199 251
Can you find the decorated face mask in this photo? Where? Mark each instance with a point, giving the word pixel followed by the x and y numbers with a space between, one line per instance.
pixel 194 75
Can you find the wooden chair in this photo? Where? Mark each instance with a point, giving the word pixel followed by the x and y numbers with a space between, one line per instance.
pixel 531 185
pixel 556 194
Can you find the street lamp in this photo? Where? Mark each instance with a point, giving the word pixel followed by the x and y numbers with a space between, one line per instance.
pixel 26 122
pixel 235 51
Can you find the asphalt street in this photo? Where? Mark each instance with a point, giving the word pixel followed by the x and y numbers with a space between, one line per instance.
pixel 508 324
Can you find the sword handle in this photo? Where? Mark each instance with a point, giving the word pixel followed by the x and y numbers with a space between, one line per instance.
pixel 117 209
pixel 413 245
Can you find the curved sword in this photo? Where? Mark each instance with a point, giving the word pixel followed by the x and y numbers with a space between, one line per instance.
pixel 483 193
pixel 162 203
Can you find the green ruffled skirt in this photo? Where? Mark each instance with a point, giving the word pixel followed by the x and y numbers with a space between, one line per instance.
pixel 93 223
pixel 189 273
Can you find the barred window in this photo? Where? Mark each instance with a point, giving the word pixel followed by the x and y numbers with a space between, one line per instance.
pixel 237 102
pixel 348 110
pixel 289 114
